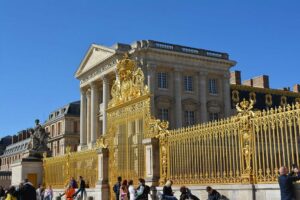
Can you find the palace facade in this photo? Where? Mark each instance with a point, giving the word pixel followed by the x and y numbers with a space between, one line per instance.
pixel 15 150
pixel 188 85
pixel 63 125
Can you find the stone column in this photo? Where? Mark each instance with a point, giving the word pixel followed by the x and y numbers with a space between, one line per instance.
pixel 88 120
pixel 105 102
pixel 226 93
pixel 151 86
pixel 178 105
pixel 102 183
pixel 203 96
pixel 83 104
pixel 94 111
pixel 152 161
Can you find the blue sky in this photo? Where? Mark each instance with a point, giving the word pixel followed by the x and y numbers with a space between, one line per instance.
pixel 43 42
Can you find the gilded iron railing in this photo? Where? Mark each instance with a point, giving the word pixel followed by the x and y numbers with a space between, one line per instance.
pixel 277 137
pixel 247 148
pixel 58 170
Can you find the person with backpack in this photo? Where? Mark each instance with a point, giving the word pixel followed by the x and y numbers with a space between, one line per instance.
pixel 142 191
pixel 168 193
pixel 117 188
pixel 186 194
pixel 81 189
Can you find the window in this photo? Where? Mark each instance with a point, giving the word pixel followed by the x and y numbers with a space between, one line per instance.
pixel 52 130
pixel 163 114
pixel 75 127
pixel 212 86
pixel 189 117
pixel 188 83
pixel 213 116
pixel 58 128
pixel 162 80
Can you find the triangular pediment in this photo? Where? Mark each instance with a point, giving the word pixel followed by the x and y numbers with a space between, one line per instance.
pixel 95 55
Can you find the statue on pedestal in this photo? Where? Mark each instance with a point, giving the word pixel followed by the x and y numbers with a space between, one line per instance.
pixel 39 139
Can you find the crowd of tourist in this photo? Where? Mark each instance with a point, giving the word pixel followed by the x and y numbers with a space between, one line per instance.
pixel 125 190
pixel 26 191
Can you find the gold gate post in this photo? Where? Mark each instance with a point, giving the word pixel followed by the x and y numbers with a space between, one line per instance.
pixel 246 135
pixel 158 129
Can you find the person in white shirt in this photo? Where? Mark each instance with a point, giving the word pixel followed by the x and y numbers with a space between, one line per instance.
pixel 48 194
pixel 131 190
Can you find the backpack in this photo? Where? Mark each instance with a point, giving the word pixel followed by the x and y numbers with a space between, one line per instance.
pixel 146 190
pixel 223 197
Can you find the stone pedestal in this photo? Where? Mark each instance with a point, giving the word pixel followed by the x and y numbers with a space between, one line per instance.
pixel 27 168
pixel 102 184
pixel 152 161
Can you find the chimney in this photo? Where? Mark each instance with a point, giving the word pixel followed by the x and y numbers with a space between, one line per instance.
pixel 24 134
pixel 14 139
pixel 261 81
pixel 248 82
pixel 235 77
pixel 296 88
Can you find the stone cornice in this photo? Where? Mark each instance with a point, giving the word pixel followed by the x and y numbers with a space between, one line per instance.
pixel 89 52
pixel 187 56
pixel 99 69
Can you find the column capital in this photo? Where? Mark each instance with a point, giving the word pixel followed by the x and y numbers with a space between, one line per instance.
pixel 151 66
pixel 83 91
pixel 93 85
pixel 203 73
pixel 178 69
pixel 226 75
pixel 104 78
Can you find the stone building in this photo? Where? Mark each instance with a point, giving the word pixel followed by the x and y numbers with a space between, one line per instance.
pixel 188 85
pixel 15 150
pixel 63 126
pixel 259 91
pixel 4 142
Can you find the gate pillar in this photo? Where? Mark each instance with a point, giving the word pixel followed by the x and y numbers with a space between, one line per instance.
pixel 152 161
pixel 102 183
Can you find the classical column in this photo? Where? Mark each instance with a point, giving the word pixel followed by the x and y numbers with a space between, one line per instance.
pixel 83 104
pixel 94 111
pixel 226 92
pixel 151 86
pixel 88 120
pixel 105 102
pixel 203 96
pixel 178 105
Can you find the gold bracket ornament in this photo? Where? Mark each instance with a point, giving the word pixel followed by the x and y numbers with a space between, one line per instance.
pixel 245 114
pixel 101 143
pixel 159 130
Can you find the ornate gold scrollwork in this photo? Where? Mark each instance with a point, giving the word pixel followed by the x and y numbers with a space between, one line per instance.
pixel 101 142
pixel 245 114
pixel 283 101
pixel 235 96
pixel 129 83
pixel 268 100
pixel 252 96
pixel 159 129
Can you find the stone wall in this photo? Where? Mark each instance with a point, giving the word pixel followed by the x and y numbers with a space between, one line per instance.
pixel 233 192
